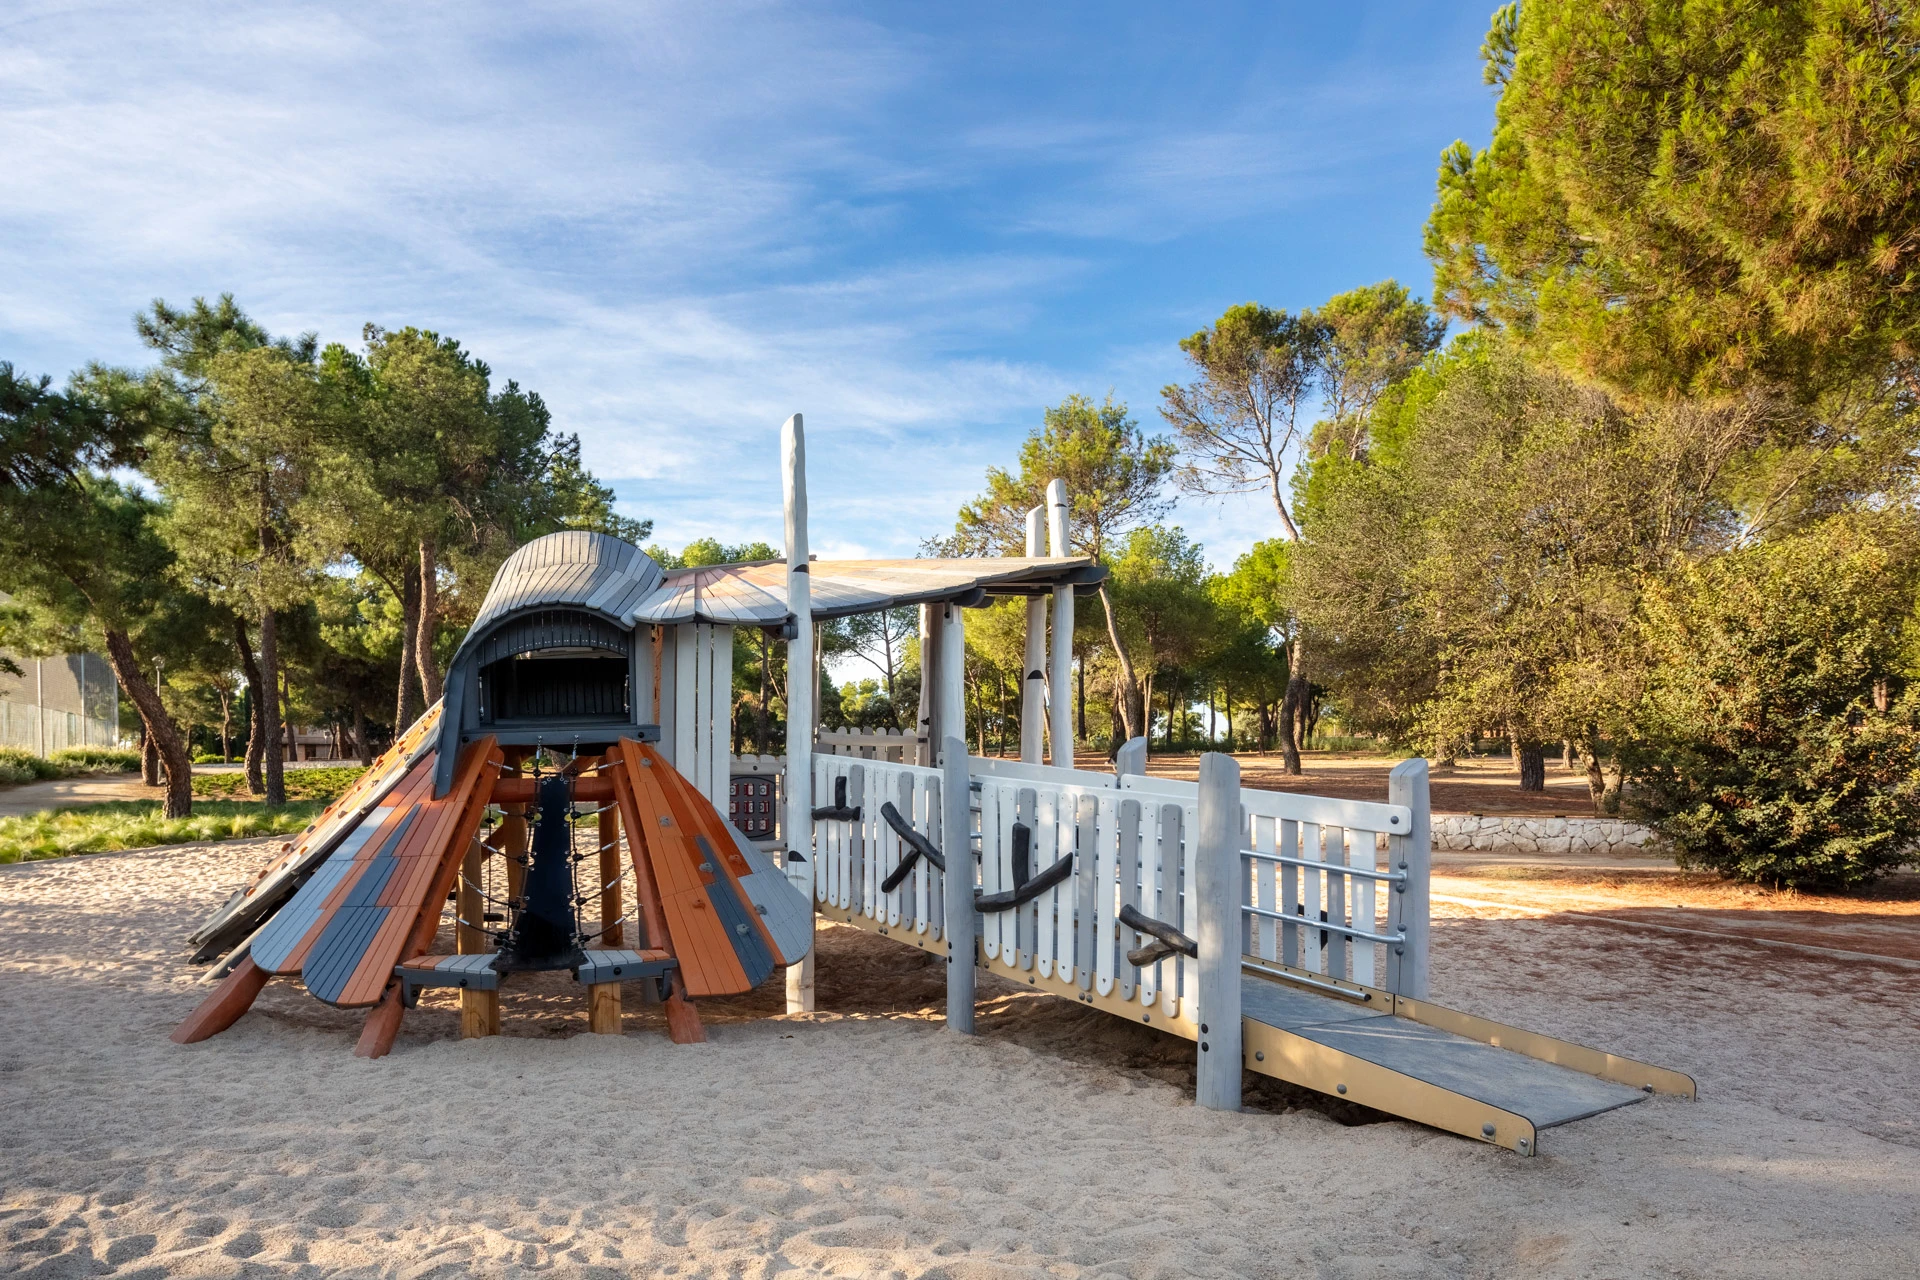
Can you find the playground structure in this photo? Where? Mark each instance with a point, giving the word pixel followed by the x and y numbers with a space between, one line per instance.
pixel 1284 934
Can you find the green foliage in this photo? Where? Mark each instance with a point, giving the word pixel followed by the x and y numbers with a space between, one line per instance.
pixel 73 761
pixel 324 784
pixel 17 764
pixel 1114 474
pixel 1692 196
pixel 1775 742
pixel 103 828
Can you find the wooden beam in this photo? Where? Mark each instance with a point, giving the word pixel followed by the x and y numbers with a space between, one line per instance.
pixel 683 1020
pixel 224 1005
pixel 612 934
pixel 517 791
pixel 470 939
pixel 382 1025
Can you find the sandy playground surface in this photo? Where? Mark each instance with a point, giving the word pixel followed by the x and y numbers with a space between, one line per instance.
pixel 866 1140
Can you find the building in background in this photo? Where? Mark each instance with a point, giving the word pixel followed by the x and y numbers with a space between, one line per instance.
pixel 71 700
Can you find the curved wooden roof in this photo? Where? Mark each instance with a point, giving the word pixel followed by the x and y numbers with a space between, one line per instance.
pixel 579 569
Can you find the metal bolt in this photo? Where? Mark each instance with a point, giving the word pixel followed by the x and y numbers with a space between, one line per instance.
pixel 1203 1028
pixel 1259 1055
pixel 1146 1017
pixel 1339 1088
pixel 1487 1129
pixel 1203 1046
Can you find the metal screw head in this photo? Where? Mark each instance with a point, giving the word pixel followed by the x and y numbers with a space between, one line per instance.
pixel 1339 1088
pixel 1487 1130
pixel 1259 1055
pixel 1203 1046
pixel 1203 1028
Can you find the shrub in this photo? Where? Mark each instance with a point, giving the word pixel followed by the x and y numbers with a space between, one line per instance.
pixel 20 765
pixel 1774 744
pixel 76 760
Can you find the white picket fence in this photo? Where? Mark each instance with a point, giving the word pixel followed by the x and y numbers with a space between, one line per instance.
pixel 891 745
pixel 1333 888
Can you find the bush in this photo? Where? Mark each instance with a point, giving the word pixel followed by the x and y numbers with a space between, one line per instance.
pixel 207 757
pixel 1774 744
pixel 20 765
pixel 77 760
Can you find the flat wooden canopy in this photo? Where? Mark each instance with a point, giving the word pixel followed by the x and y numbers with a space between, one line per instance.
pixel 755 594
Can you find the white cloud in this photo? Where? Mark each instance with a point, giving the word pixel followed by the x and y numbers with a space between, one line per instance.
pixel 677 222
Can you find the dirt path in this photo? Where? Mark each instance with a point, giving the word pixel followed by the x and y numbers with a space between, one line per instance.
pixel 57 793
pixel 1484 785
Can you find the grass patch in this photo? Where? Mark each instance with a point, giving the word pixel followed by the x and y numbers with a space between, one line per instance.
pixel 20 765
pixel 137 824
pixel 324 785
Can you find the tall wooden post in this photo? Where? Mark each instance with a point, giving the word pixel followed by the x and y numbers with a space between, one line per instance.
pixel 1033 683
pixel 1220 882
pixel 799 779
pixel 1061 676
pixel 612 931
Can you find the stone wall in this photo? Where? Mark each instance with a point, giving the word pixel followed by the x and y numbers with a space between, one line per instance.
pixel 1599 836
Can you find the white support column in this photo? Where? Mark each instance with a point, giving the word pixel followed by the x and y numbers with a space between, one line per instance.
pixel 1412 854
pixel 956 823
pixel 1033 684
pixel 950 679
pixel 799 779
pixel 1219 887
pixel 1061 676
pixel 669 708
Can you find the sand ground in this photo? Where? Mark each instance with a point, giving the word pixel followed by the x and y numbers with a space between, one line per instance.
pixel 867 1140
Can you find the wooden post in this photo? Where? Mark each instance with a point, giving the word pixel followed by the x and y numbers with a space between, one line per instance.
pixel 956 821
pixel 1412 854
pixel 469 938
pixel 1060 680
pixel 1033 684
pixel 479 1014
pixel 1219 887
pixel 603 1008
pixel 1131 758
pixel 612 933
pixel 799 779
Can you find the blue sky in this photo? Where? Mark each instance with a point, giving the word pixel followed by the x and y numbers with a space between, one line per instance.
pixel 679 223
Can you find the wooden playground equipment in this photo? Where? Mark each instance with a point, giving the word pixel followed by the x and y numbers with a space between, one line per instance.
pixel 1284 934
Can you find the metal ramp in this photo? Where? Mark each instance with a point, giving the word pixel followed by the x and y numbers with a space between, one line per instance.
pixel 1482 1080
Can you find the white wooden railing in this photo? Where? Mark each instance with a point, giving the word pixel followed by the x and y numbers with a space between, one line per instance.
pixel 1329 887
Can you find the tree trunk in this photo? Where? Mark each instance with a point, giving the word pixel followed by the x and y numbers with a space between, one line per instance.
pixel 155 726
pixel 360 746
pixel 406 708
pixel 762 730
pixel 226 725
pixel 1596 780
pixel 1291 706
pixel 1567 754
pixel 429 621
pixel 276 777
pixel 1129 684
pixel 256 728
pixel 1533 769
pixel 150 774
pixel 1080 683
